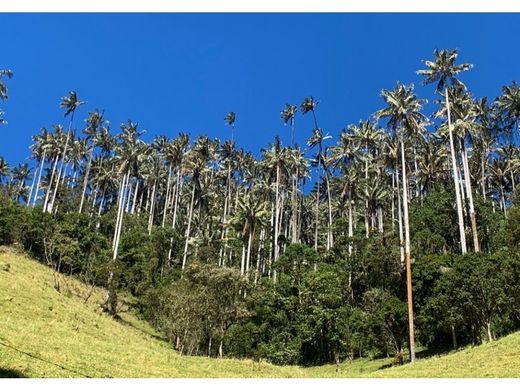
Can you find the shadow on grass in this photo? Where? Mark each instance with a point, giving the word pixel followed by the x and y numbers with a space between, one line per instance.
pixel 8 373
pixel 128 323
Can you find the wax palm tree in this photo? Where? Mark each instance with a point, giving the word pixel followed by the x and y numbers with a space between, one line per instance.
pixel 39 151
pixel 463 128
pixel 3 89
pixel 507 106
pixel 128 153
pixel 499 180
pixel 69 103
pixel 484 139
pixel 444 71
pixel 20 174
pixel 407 122
pixel 275 161
pixel 5 169
pixel 230 121
pixel 316 140
pixel 227 156
pixel 94 121
pixel 197 163
pixel 343 156
pixel 252 213
pixel 287 116
pixel 309 105
pixel 368 137
pixel 432 168
pixel 510 155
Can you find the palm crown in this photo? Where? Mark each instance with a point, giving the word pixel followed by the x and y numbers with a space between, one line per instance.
pixel 443 70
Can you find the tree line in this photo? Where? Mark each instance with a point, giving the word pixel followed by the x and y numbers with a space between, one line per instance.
pixel 228 253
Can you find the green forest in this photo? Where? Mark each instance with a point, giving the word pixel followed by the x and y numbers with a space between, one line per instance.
pixel 401 234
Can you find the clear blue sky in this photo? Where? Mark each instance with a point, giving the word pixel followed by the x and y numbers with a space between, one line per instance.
pixel 173 72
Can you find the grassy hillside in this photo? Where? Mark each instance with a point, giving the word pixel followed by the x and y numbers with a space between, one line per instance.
pixel 44 333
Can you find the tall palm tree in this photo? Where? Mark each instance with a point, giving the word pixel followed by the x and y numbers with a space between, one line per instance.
pixel 128 153
pixel 251 214
pixel 369 137
pixel 70 103
pixel 230 121
pixel 343 156
pixel 3 89
pixel 5 169
pixel 20 174
pixel 443 71
pixel 94 121
pixel 317 139
pixel 464 118
pixel 507 107
pixel 407 122
pixel 287 116
pixel 309 105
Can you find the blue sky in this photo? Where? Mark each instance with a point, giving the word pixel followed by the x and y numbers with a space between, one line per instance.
pixel 173 72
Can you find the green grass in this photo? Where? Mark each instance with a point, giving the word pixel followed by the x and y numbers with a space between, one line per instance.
pixel 51 334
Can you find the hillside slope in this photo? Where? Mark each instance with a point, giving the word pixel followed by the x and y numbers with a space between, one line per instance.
pixel 44 333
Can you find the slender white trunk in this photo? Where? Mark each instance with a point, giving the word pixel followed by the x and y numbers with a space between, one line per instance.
pixel 190 215
pixel 32 187
pixel 85 181
pixel 456 180
pixel 39 178
pixel 330 237
pixel 350 227
pixel 400 217
pixel 249 244
pixel 408 259
pixel 61 166
pixel 317 211
pixel 277 212
pixel 165 211
pixel 136 190
pixel 243 260
pixel 152 208
pixel 49 185
pixel 469 191
pixel 367 228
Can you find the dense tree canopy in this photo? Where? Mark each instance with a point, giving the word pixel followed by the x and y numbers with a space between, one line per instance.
pixel 231 254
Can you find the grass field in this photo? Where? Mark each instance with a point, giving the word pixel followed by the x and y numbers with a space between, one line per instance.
pixel 44 333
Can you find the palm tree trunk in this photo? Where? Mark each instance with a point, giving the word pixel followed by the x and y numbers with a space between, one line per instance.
pixel 408 259
pixel 49 185
pixel 249 244
pixel 39 178
pixel 317 212
pixel 393 202
pixel 243 260
pixel 483 172
pixel 350 228
pixel 400 217
pixel 467 181
pixel 32 187
pixel 166 200
pixel 330 237
pixel 85 181
pixel 277 212
pixel 110 298
pixel 61 164
pixel 136 190
pixel 152 208
pixel 178 189
pixel 456 180
pixel 190 215
pixel 224 215
pixel 367 228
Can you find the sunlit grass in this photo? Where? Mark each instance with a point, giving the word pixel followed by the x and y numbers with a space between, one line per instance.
pixel 59 335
